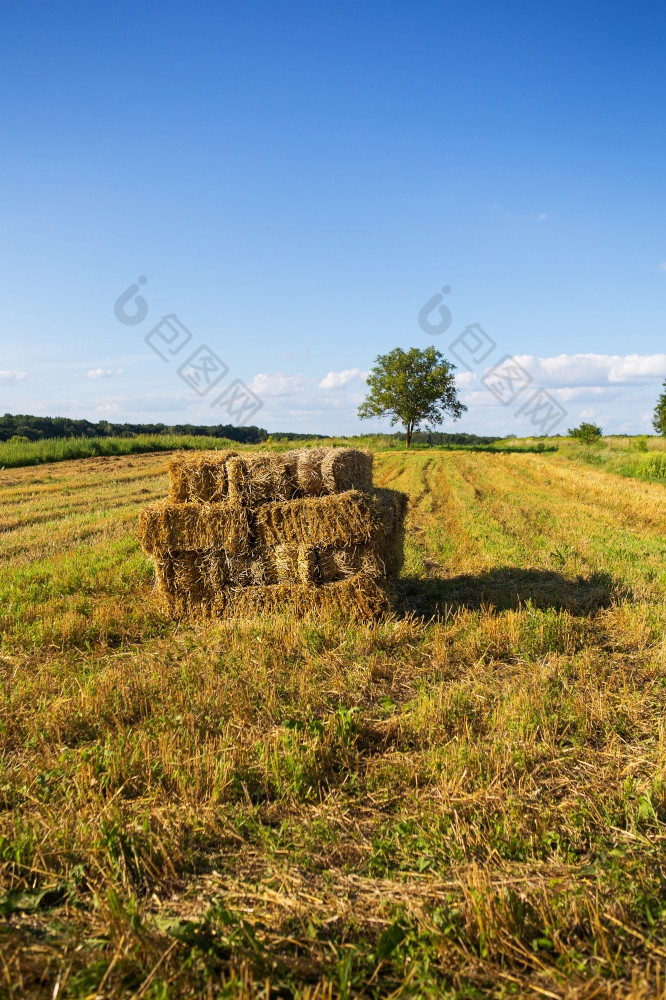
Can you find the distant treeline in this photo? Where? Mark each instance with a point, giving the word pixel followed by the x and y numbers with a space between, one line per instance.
pixel 42 428
pixel 292 436
pixel 441 438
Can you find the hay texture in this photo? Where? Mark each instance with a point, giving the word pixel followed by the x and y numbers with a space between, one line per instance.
pixel 200 476
pixel 242 535
pixel 357 597
pixel 337 520
pixel 259 479
pixel 346 469
pixel 341 563
pixel 192 527
pixel 308 471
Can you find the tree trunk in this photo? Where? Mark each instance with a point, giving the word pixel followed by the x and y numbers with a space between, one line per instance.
pixel 408 435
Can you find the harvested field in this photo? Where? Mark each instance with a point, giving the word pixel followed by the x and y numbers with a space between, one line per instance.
pixel 464 799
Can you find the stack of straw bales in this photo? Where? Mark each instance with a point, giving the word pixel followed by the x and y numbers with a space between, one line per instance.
pixel 242 534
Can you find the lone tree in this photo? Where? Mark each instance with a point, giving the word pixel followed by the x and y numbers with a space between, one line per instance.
pixel 659 417
pixel 586 433
pixel 412 387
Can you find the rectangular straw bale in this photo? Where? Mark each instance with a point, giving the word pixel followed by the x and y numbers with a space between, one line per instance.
pixel 382 555
pixel 195 578
pixel 356 597
pixel 346 469
pixel 259 479
pixel 389 540
pixel 166 526
pixel 340 519
pixel 179 585
pixel 199 475
pixel 308 471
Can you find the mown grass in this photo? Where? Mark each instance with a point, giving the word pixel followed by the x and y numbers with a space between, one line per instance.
pixel 639 457
pixel 467 799
pixel 15 454
pixel 18 454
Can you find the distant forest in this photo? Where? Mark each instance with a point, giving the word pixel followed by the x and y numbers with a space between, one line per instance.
pixel 442 438
pixel 41 428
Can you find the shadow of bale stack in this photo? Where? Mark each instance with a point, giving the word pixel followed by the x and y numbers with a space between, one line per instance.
pixel 247 534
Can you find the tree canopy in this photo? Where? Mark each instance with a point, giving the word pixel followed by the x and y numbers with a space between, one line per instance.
pixel 659 417
pixel 412 388
pixel 586 432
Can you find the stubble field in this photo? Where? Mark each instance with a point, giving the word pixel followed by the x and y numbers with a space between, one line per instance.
pixel 465 800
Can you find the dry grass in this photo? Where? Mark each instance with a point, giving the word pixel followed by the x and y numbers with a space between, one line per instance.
pixel 470 804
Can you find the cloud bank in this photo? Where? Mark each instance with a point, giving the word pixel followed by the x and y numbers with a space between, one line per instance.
pixel 12 378
pixel 104 372
pixel 334 380
pixel 617 391
pixel 569 370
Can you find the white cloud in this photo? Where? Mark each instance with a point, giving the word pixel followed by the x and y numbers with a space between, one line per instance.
pixel 568 370
pixel 104 372
pixel 13 377
pixel 662 266
pixel 585 392
pixel 334 380
pixel 638 367
pixel 479 398
pixel 609 389
pixel 303 403
pixel 542 216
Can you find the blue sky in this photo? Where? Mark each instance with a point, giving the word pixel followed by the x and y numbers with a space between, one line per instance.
pixel 296 181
